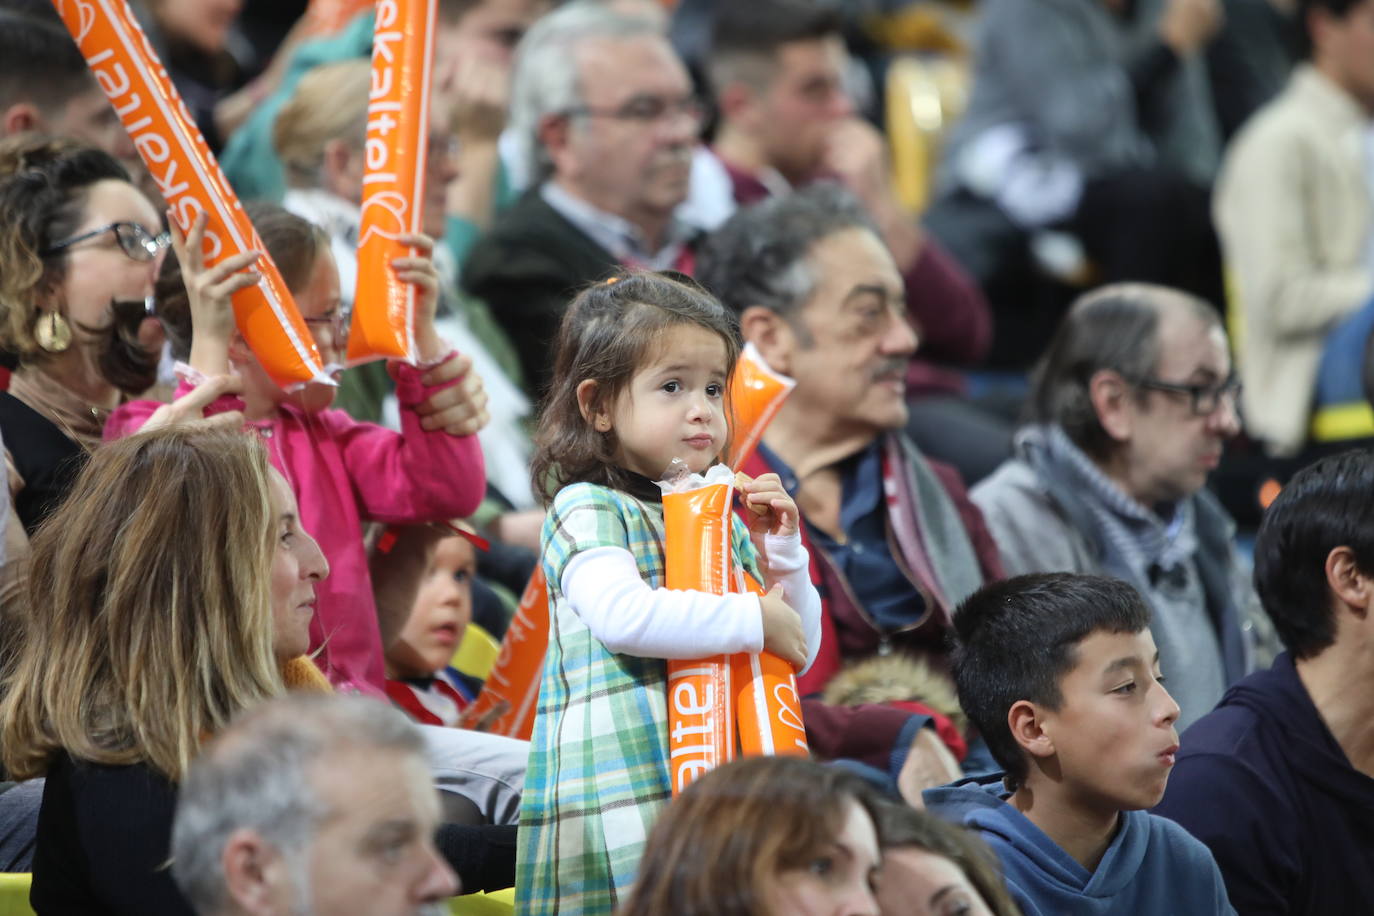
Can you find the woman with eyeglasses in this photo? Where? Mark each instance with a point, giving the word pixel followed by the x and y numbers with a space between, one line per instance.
pixel 80 248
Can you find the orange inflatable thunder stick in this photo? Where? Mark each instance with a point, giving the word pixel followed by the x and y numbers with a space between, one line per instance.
pixel 393 178
pixel 697 552
pixel 514 679
pixel 767 707
pixel 756 394
pixel 189 179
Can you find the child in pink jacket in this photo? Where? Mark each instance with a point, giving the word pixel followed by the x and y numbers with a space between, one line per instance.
pixel 343 471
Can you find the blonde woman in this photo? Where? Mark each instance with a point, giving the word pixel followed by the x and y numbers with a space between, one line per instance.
pixel 171 590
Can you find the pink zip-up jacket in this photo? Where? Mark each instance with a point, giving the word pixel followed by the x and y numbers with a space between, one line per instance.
pixel 344 472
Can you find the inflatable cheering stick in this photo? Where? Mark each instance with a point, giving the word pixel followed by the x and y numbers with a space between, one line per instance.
pixel 696 521
pixel 189 179
pixel 393 178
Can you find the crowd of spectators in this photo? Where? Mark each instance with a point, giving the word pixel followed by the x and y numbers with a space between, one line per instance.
pixel 1065 524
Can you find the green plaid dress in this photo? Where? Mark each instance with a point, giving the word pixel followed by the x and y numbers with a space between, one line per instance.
pixel 598 767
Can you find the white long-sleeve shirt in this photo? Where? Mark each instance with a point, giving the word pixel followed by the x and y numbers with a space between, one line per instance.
pixel 604 588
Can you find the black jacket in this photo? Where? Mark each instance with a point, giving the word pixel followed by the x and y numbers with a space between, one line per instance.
pixel 527 269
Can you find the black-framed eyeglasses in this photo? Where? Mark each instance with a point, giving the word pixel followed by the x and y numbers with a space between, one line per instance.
pixel 1204 399
pixel 137 242
pixel 646 109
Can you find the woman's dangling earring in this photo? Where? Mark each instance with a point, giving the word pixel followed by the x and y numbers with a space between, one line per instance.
pixel 53 333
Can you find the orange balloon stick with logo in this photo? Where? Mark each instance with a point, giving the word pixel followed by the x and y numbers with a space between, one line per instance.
pixel 767 706
pixel 393 178
pixel 514 678
pixel 698 557
pixel 188 177
pixel 756 395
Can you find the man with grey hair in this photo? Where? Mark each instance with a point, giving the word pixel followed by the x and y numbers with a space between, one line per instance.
pixel 895 542
pixel 608 121
pixel 313 803
pixel 1130 409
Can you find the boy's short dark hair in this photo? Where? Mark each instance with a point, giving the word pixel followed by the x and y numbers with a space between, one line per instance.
pixel 745 37
pixel 1016 639
pixel 39 62
pixel 1336 9
pixel 1326 505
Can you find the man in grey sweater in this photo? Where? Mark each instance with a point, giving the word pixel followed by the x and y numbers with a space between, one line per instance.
pixel 1130 409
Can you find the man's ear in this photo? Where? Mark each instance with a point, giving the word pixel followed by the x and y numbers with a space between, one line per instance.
pixel 18 118
pixel 553 133
pixel 253 872
pixel 771 335
pixel 589 404
pixel 1347 583
pixel 334 163
pixel 736 103
pixel 1112 400
pixel 1027 728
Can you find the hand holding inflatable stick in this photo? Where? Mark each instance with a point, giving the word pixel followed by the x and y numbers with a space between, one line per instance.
pixel 387 308
pixel 767 705
pixel 189 179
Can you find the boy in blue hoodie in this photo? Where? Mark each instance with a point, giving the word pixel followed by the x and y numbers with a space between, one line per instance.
pixel 1060 675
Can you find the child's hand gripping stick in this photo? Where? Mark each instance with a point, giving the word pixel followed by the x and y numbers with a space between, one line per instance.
pixel 514 678
pixel 767 706
pixel 756 395
pixel 696 518
pixel 189 179
pixel 385 307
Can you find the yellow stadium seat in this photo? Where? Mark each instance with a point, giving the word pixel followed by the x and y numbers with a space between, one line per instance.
pixel 497 903
pixel 925 96
pixel 14 894
pixel 476 653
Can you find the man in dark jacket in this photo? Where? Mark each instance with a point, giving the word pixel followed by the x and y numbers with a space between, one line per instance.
pixel 608 120
pixel 1277 779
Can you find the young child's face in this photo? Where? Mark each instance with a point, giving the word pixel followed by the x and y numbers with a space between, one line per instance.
pixel 674 406
pixel 319 302
pixel 1114 738
pixel 442 611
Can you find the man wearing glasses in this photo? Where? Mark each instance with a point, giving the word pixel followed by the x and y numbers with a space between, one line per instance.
pixel 608 122
pixel 1129 411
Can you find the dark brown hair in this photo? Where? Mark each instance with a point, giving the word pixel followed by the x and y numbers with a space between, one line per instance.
pixel 44 184
pixel 293 244
pixel 901 826
pixel 607 333
pixel 728 835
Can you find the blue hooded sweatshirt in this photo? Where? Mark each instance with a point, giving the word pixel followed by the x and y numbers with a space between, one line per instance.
pixel 1152 868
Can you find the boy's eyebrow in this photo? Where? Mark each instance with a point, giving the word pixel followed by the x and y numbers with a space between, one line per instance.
pixel 1126 661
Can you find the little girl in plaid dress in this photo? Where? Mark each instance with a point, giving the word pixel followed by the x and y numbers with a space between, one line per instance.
pixel 642 365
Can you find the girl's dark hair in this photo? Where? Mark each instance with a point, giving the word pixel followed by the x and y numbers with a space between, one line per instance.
pixel 901 826
pixel 721 843
pixel 43 188
pixel 292 242
pixel 605 337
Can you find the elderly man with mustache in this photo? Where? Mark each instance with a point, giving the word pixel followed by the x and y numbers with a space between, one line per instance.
pixel 607 119
pixel 894 542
